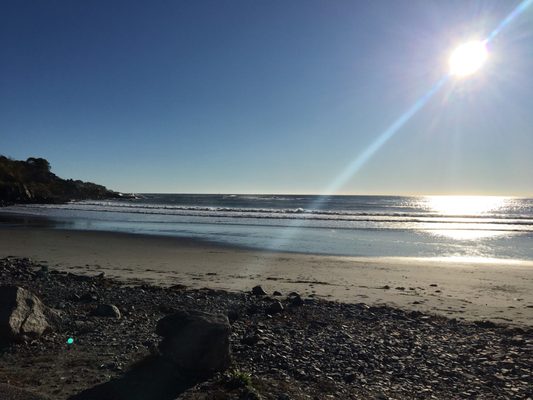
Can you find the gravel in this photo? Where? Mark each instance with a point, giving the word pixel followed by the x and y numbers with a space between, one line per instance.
pixel 301 348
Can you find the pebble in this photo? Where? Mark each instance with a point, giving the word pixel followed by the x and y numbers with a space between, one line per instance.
pixel 318 350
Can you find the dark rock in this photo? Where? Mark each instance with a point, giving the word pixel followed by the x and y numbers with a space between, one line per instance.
pixel 296 301
pixel 178 286
pixel 349 378
pixel 75 297
pixel 166 309
pixel 233 315
pixel 250 339
pixel 249 393
pixel 89 297
pixel 197 342
pixel 485 324
pixel 274 308
pixel 276 293
pixel 258 291
pixel 42 274
pixel 253 309
pixel 107 310
pixel 22 315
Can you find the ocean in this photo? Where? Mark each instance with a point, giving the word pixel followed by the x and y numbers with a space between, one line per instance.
pixel 478 227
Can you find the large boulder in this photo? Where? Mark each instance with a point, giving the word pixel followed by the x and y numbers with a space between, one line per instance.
pixel 107 310
pixel 22 315
pixel 196 342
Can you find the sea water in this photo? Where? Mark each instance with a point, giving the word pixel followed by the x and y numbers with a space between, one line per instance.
pixel 481 227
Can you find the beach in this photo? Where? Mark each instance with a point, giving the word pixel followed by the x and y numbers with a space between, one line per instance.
pixel 282 346
pixel 263 201
pixel 497 290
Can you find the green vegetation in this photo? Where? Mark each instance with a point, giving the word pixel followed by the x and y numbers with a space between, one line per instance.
pixel 31 181
pixel 238 379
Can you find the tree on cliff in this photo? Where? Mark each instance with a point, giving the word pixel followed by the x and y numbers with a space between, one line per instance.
pixel 32 181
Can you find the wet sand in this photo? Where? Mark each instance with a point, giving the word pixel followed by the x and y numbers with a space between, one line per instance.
pixel 501 291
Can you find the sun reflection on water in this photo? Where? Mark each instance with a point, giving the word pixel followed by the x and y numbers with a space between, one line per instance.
pixel 466 206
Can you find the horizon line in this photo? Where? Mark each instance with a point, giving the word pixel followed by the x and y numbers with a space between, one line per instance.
pixel 336 194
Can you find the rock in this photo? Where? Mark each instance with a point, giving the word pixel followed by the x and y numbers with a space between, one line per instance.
pixel 274 308
pixel 250 339
pixel 22 315
pixel 485 324
pixel 89 297
pixel 178 286
pixel 276 293
pixel 166 309
pixel 233 315
pixel 296 301
pixel 107 310
pixel 258 291
pixel 253 309
pixel 249 393
pixel 197 342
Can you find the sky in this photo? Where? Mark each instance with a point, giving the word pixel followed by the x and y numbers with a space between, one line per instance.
pixel 277 96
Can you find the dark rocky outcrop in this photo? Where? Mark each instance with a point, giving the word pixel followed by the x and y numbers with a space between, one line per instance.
pixel 32 181
pixel 22 315
pixel 197 342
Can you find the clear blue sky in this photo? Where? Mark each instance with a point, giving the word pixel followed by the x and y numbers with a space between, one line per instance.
pixel 266 96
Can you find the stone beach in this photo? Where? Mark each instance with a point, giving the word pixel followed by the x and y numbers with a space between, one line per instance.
pixel 290 346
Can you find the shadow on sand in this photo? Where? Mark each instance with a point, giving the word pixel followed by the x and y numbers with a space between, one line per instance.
pixel 153 378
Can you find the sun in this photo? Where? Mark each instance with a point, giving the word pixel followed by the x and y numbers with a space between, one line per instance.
pixel 468 58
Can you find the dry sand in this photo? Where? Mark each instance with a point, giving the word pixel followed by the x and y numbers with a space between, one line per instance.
pixel 499 291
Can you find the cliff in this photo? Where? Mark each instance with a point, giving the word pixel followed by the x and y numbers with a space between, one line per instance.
pixel 31 181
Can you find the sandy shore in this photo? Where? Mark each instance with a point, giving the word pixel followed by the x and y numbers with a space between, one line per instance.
pixel 472 290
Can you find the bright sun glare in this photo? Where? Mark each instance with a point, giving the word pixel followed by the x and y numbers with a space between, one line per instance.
pixel 468 58
pixel 464 205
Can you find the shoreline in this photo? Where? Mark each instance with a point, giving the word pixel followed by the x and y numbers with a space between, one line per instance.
pixel 474 291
